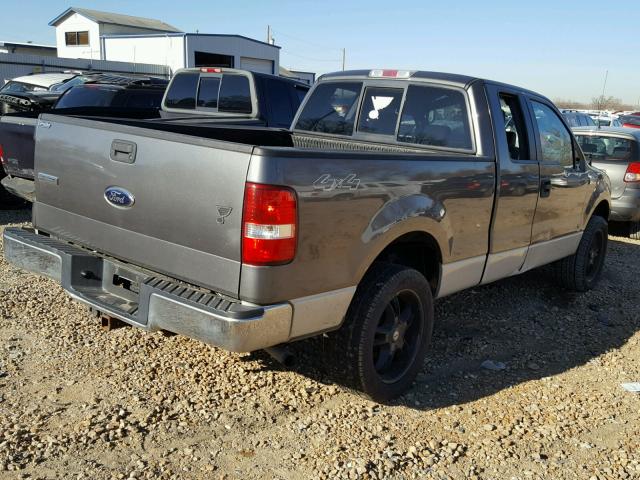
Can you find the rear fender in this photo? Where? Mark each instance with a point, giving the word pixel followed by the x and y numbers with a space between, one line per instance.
pixel 401 216
pixel 600 193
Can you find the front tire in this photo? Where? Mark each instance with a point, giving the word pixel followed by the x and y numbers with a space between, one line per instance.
pixel 581 271
pixel 387 331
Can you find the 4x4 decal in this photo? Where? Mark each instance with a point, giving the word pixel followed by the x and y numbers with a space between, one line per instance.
pixel 327 182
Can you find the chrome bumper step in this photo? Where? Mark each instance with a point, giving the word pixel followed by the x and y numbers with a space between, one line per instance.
pixel 148 300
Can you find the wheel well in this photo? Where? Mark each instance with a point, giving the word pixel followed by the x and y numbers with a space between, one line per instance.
pixel 602 210
pixel 417 250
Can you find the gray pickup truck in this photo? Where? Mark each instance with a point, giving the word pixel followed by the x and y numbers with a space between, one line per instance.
pixel 391 189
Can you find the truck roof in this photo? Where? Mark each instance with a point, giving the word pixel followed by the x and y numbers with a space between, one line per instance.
pixel 237 70
pixel 458 80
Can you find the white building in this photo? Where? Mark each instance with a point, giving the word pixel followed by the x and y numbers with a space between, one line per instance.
pixel 78 31
pixel 183 50
pixel 83 33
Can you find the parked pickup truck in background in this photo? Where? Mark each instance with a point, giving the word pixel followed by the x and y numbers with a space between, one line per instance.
pixel 211 96
pixel 231 96
pixel 392 188
pixel 96 95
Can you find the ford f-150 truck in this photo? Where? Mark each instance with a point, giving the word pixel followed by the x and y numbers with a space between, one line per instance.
pixel 392 188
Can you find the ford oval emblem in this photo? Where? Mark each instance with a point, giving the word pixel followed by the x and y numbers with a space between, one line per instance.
pixel 119 197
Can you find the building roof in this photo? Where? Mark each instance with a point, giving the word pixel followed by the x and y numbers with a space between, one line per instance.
pixel 115 19
pixel 183 34
pixel 26 45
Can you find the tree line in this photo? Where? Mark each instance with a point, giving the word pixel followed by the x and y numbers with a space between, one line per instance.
pixel 600 102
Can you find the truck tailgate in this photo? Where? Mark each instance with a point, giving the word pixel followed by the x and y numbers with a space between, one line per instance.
pixel 186 196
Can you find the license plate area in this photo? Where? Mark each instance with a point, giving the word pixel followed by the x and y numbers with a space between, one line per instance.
pixel 108 283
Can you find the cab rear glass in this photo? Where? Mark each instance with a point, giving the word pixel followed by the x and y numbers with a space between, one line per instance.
pixel 426 115
pixel 380 110
pixel 332 108
pixel 182 91
pixel 435 116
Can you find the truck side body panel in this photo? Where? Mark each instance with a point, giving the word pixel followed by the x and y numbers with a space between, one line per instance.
pixel 353 205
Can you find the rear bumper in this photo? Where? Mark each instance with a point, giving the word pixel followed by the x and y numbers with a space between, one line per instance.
pixel 627 207
pixel 20 187
pixel 146 300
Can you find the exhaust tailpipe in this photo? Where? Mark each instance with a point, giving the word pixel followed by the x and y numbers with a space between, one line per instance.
pixel 282 355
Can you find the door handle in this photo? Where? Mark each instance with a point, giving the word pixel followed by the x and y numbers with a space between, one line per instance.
pixel 123 151
pixel 545 187
pixel 571 181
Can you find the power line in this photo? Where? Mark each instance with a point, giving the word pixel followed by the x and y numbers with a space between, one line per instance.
pixel 336 60
pixel 278 32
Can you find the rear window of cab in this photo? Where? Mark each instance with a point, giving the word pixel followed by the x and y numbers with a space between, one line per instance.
pixel 230 93
pixel 418 114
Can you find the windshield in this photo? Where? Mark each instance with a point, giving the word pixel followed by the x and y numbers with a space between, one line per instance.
pixel 64 86
pixel 601 147
pixel 89 96
pixel 19 87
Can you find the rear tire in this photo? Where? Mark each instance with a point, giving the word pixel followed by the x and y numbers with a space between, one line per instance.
pixel 634 230
pixel 581 271
pixel 9 201
pixel 387 331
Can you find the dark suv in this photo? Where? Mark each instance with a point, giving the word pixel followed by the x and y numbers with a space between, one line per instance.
pixel 577 119
pixel 98 95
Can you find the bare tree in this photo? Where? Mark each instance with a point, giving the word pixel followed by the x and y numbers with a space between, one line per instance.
pixel 597 103
pixel 606 103
pixel 570 104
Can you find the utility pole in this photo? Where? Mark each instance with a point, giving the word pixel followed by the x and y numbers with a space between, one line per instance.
pixel 269 37
pixel 606 74
pixel 344 56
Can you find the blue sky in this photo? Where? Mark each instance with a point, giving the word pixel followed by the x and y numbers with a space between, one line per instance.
pixel 559 48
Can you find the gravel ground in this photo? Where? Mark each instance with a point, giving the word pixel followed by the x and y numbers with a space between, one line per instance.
pixel 80 402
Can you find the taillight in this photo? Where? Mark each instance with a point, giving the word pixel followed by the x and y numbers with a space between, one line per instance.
pixel 1 155
pixel 269 224
pixel 633 173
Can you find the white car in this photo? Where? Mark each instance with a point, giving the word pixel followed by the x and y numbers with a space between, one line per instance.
pixel 606 120
pixel 40 82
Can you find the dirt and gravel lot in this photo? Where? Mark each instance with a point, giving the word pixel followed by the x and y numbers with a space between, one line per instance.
pixel 79 402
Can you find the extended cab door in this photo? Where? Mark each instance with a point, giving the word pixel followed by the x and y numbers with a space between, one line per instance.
pixel 517 182
pixel 563 179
